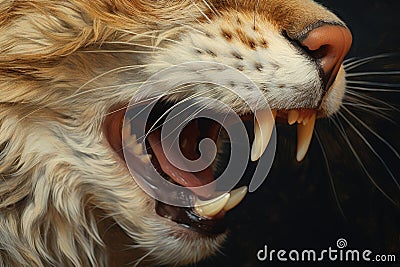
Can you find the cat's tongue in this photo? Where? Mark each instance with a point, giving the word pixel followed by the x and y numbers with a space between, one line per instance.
pixel 188 141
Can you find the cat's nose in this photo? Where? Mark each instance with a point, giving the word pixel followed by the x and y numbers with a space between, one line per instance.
pixel 328 44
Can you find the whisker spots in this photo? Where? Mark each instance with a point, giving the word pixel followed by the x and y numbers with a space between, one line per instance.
pixel 245 39
pixel 259 67
pixel 237 55
pixel 211 53
pixel 240 68
pixel 227 35
pixel 263 43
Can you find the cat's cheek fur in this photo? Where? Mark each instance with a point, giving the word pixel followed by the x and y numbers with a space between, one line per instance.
pixel 58 81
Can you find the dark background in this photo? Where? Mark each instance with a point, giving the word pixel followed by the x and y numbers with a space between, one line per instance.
pixel 296 207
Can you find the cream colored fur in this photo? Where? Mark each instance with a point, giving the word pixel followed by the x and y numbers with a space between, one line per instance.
pixel 65 64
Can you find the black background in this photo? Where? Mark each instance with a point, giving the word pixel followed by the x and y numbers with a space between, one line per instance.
pixel 295 208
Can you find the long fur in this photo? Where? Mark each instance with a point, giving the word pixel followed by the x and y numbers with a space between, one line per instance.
pixel 62 70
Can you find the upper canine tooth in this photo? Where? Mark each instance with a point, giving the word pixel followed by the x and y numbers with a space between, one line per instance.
pixel 237 196
pixel 304 136
pixel 212 207
pixel 263 127
pixel 293 116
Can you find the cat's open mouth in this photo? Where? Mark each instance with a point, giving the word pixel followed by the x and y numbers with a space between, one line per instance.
pixel 207 208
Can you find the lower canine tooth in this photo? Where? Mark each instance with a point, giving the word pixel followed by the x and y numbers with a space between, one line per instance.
pixel 237 196
pixel 211 207
pixel 263 127
pixel 304 136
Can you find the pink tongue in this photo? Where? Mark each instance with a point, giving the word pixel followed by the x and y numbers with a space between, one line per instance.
pixel 188 179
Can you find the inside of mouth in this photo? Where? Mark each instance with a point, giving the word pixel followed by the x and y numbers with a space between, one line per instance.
pixel 168 159
pixel 156 151
pixel 188 141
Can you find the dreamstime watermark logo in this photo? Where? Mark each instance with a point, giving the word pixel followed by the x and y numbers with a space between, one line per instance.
pixel 195 86
pixel 334 254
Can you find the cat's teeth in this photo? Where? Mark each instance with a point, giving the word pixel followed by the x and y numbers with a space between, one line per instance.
pixel 127 129
pixel 237 196
pixel 300 118
pixel 145 158
pixel 224 202
pixel 293 116
pixel 211 207
pixel 304 136
pixel 262 132
pixel 131 143
pixel 137 148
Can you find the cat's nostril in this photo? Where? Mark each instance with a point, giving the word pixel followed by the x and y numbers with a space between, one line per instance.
pixel 328 44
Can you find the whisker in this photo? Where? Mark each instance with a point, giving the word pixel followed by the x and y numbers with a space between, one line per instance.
pixel 393 85
pixel 170 109
pixel 371 99
pixel 363 61
pixel 146 34
pixel 155 98
pixel 369 146
pixel 348 99
pixel 202 13
pixel 118 51
pixel 116 70
pixel 374 133
pixel 349 60
pixel 135 35
pixel 153 127
pixel 372 180
pixel 212 9
pixel 369 89
pixel 188 119
pixel 332 183
pixel 136 44
pixel 367 106
pixel 77 93
pixel 371 109
pixel 190 27
pixel 372 73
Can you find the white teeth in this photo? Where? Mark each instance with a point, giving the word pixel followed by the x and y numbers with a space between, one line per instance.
pixel 130 142
pixel 146 158
pixel 237 196
pixel 126 131
pixel 137 148
pixel 224 202
pixel 212 207
pixel 304 136
pixel 300 118
pixel 293 115
pixel 262 132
